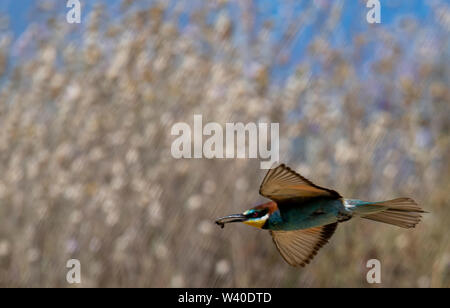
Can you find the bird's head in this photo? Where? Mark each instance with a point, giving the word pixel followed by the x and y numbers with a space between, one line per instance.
pixel 256 216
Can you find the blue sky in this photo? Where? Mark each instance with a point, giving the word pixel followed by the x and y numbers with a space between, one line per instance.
pixel 19 11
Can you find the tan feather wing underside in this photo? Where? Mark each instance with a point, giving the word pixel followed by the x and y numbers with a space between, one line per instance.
pixel 299 247
pixel 283 183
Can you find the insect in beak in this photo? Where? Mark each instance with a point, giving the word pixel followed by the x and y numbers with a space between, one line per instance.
pixel 230 218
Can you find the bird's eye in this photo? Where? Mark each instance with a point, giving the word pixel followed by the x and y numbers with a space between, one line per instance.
pixel 255 214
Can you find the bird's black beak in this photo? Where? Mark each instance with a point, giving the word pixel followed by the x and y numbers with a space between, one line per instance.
pixel 230 218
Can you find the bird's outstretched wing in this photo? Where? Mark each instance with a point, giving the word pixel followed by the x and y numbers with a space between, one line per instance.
pixel 299 247
pixel 282 183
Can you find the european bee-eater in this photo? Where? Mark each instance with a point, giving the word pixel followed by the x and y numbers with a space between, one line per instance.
pixel 302 216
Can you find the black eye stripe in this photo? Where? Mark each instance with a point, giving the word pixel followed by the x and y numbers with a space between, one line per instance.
pixel 257 214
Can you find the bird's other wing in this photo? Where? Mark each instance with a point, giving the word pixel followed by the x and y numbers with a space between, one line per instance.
pixel 282 183
pixel 299 247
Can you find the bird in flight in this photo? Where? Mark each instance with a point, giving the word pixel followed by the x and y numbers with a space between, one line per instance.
pixel 303 216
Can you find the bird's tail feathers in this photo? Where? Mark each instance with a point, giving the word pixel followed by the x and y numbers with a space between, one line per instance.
pixel 402 212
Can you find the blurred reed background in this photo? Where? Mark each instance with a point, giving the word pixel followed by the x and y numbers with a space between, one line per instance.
pixel 86 112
